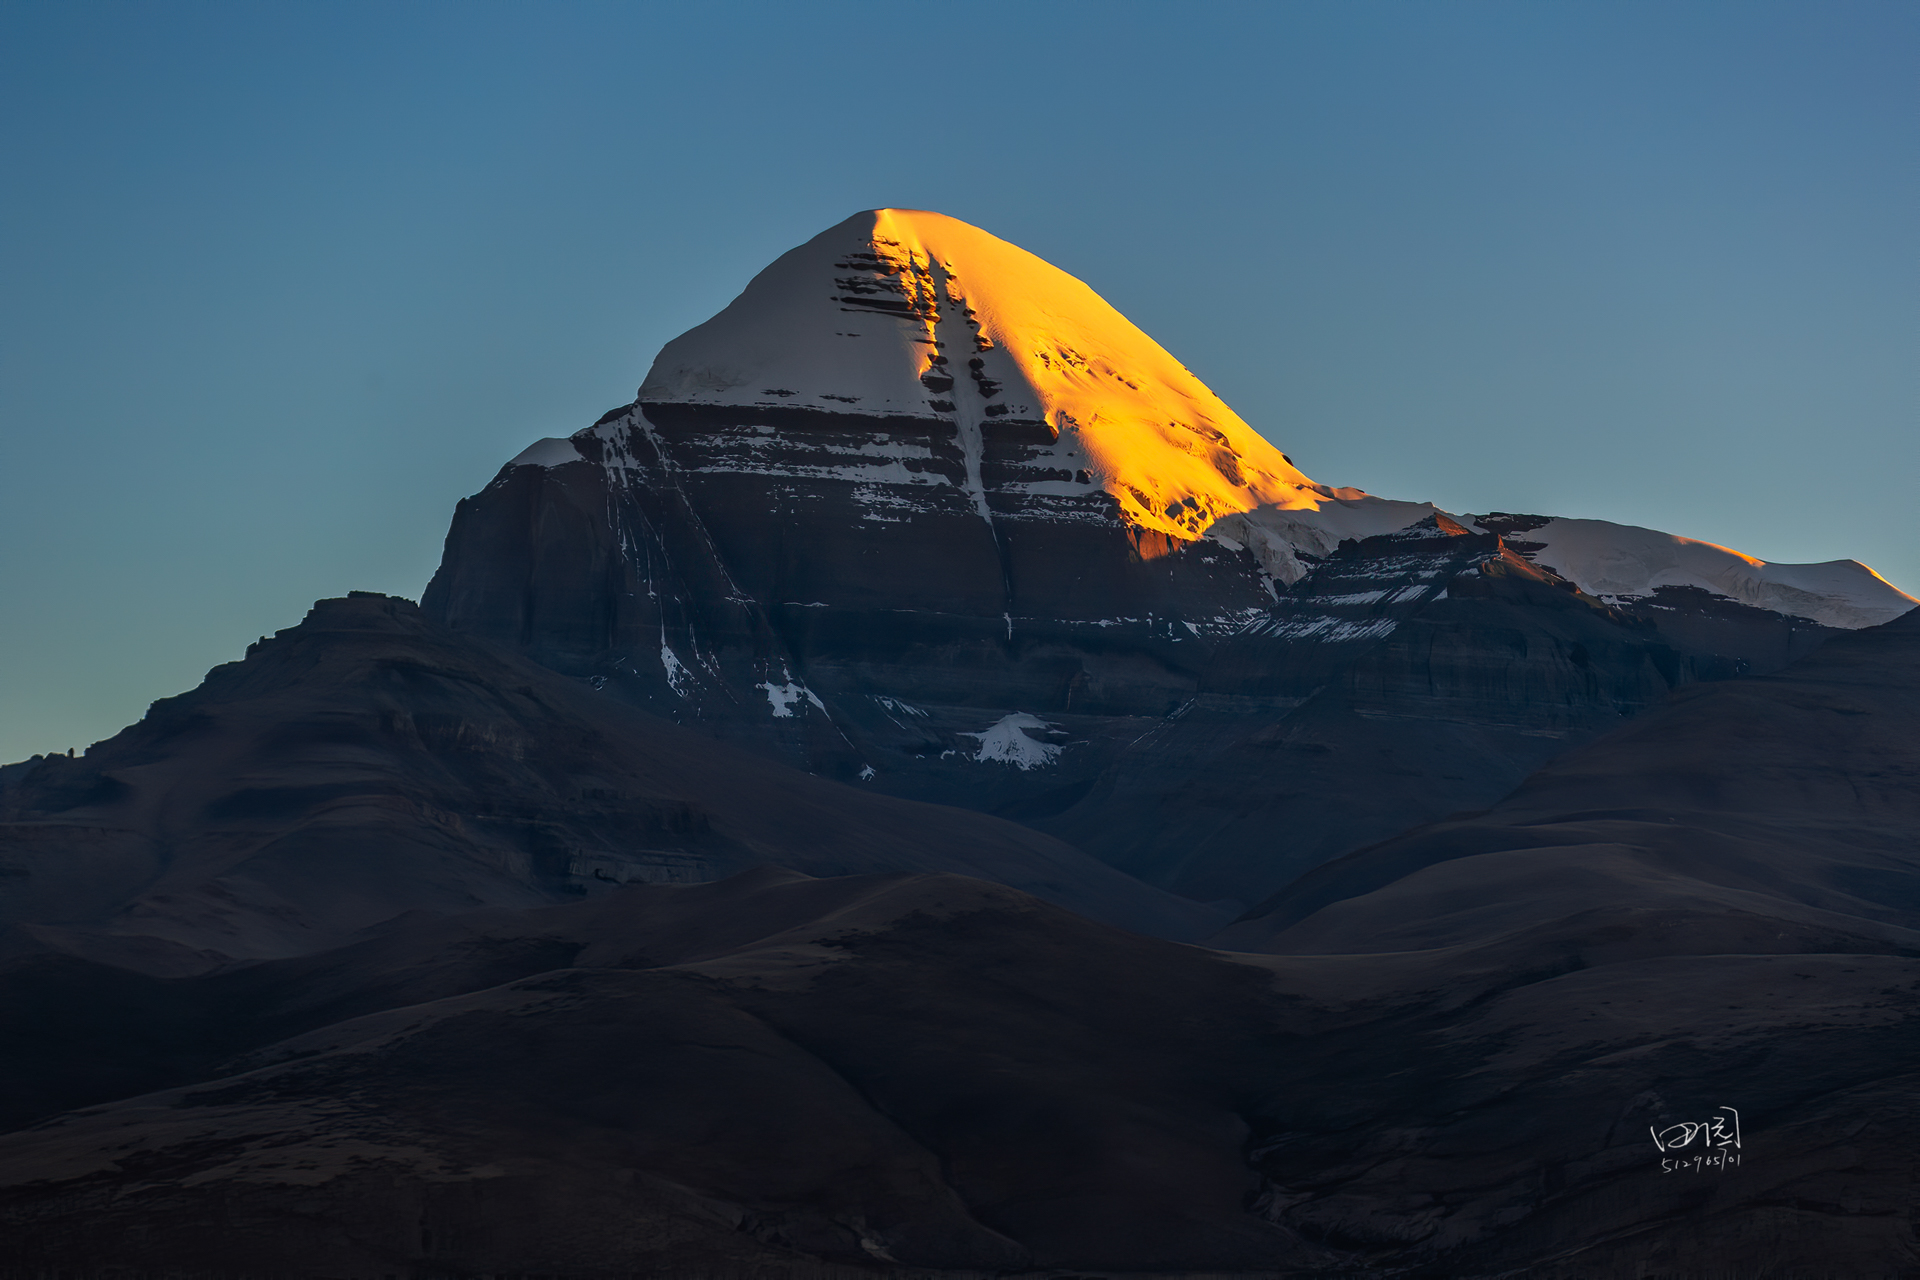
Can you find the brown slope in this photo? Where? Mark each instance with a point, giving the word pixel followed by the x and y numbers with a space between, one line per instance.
pixel 784 1074
pixel 770 1071
pixel 367 763
pixel 773 1075
pixel 1478 1106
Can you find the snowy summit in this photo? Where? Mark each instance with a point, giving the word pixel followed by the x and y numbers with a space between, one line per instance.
pixel 916 319
pixel 900 312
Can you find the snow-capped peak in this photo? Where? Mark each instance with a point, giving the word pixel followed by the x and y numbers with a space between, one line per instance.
pixel 904 312
pixel 1626 562
pixel 551 452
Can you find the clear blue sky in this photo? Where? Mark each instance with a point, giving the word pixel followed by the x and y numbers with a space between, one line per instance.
pixel 280 282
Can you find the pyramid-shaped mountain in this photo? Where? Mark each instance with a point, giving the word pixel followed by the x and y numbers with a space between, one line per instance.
pixel 901 313
pixel 924 513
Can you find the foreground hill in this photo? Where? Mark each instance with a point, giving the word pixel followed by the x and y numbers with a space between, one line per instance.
pixel 772 1070
pixel 1452 1060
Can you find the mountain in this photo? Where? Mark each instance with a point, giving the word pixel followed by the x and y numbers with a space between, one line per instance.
pixel 920 512
pixel 502 935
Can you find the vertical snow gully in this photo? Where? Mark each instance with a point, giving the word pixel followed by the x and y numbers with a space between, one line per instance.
pixel 953 325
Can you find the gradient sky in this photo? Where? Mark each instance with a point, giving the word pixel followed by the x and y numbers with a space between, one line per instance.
pixel 282 282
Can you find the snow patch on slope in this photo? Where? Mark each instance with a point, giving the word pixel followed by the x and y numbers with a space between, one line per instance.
pixel 678 677
pixel 1006 741
pixel 1621 561
pixel 784 697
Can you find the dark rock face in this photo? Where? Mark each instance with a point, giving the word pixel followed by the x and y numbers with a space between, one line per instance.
pixel 835 591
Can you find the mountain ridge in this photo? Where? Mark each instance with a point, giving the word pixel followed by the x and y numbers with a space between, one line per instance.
pixel 366 763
